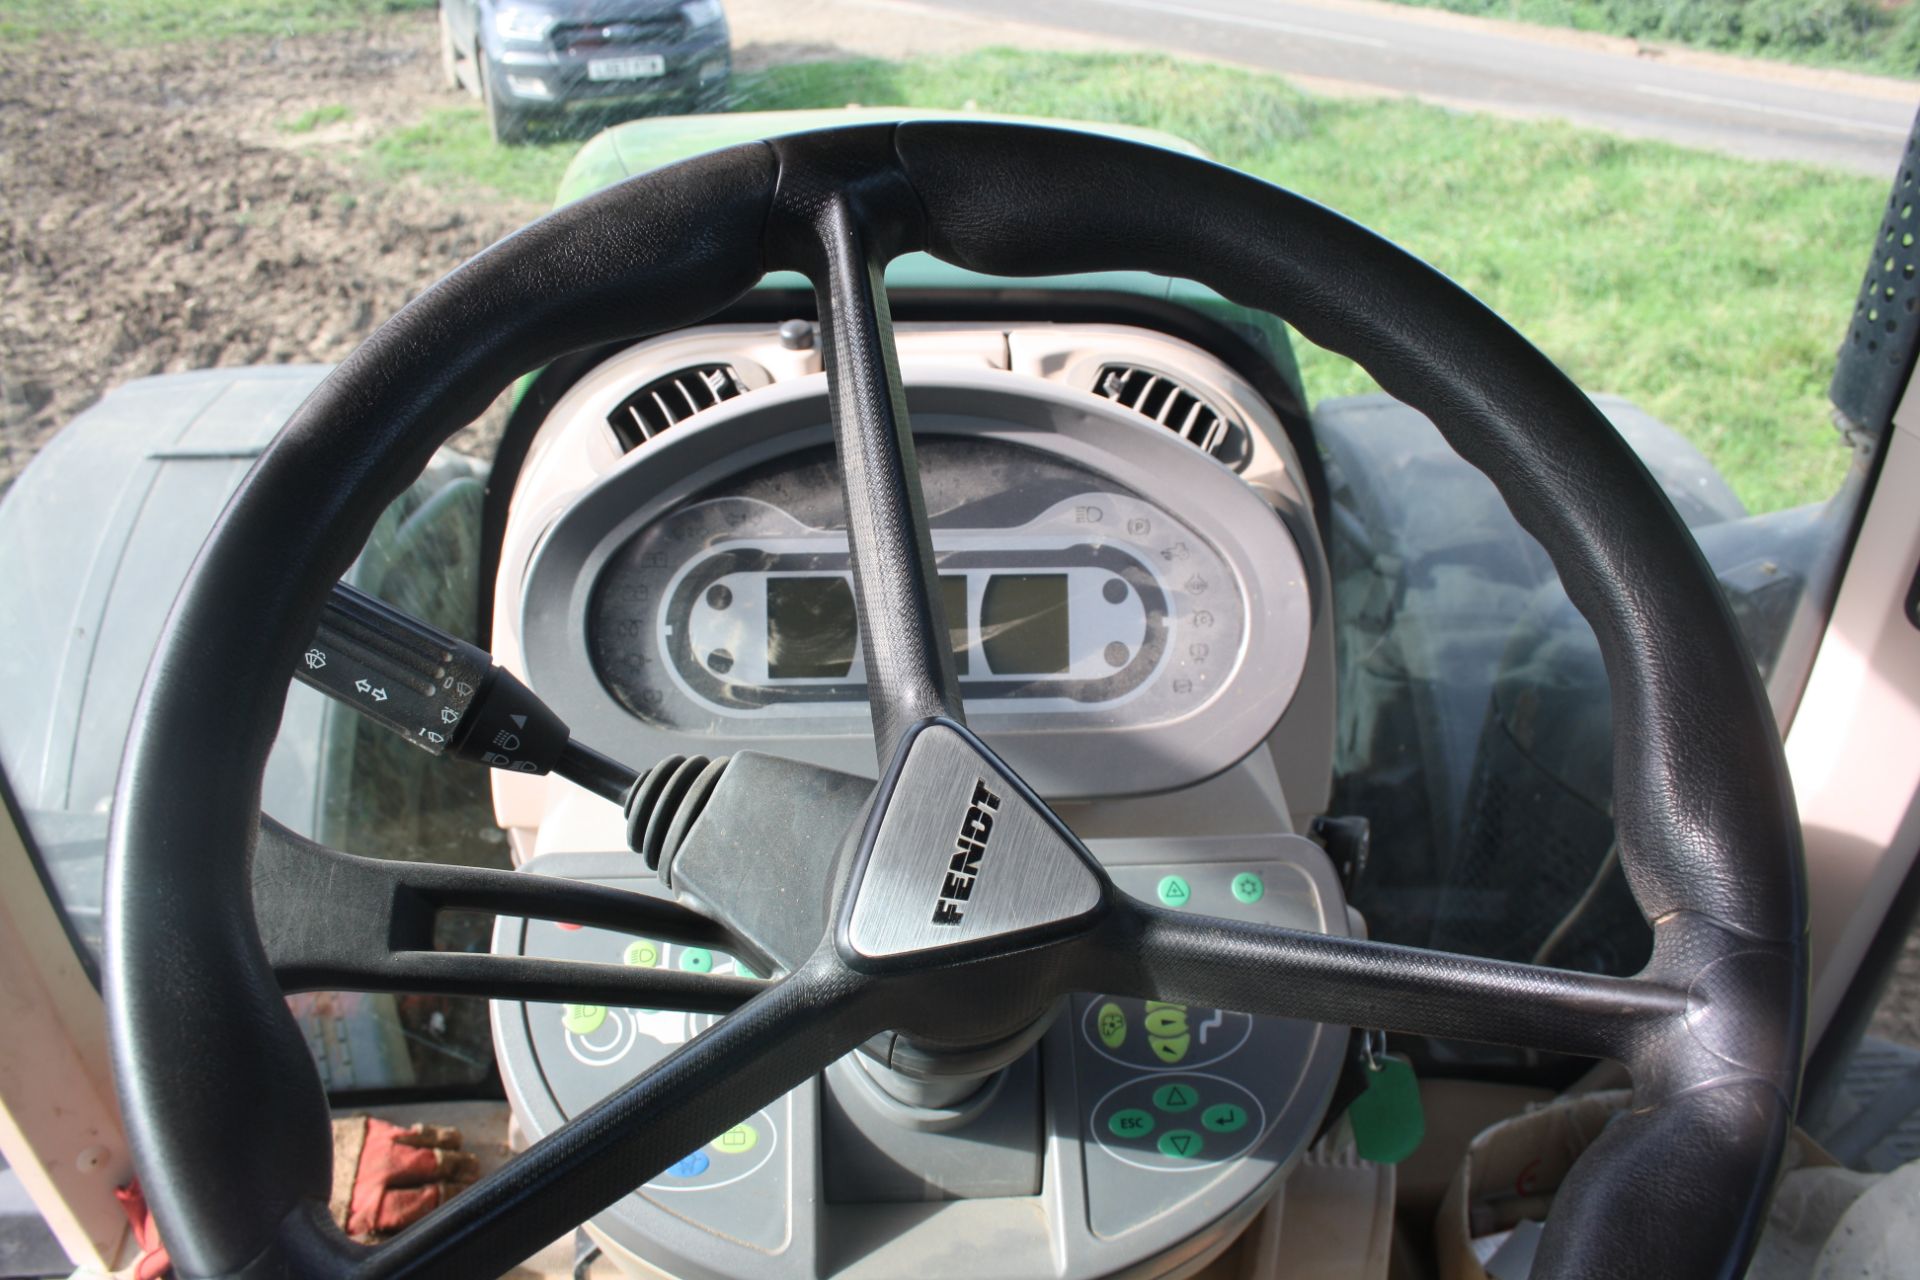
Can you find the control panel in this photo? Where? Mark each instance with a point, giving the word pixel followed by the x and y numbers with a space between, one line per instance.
pixel 1134 1129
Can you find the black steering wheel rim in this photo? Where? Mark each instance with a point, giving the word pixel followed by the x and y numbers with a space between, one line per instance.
pixel 1712 1030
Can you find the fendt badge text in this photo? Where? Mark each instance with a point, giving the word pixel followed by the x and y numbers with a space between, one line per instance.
pixel 968 847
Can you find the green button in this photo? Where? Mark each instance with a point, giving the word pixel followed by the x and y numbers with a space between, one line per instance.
pixel 1175 1097
pixel 696 959
pixel 737 1141
pixel 1224 1117
pixel 1181 1144
pixel 1131 1123
pixel 1170 1049
pixel 583 1019
pixel 1112 1025
pixel 1165 1019
pixel 1249 888
pixel 643 953
pixel 1174 891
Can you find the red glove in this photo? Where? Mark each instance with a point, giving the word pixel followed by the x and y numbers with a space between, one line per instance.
pixel 386 1177
pixel 154 1261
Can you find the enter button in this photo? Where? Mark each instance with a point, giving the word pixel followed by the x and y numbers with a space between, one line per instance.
pixel 1224 1117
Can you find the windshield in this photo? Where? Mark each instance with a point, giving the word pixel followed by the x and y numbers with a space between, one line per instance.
pixel 209 202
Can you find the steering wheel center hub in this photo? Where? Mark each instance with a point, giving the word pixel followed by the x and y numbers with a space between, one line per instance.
pixel 960 859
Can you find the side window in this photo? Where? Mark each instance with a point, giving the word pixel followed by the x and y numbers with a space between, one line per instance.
pixel 1475 731
pixel 95 538
pixel 373 794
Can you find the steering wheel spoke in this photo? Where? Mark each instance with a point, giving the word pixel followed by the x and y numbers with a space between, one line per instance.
pixel 769 1046
pixel 376 933
pixel 842 234
pixel 1184 958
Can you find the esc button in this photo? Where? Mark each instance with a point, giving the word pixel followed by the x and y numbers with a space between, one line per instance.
pixel 1131 1123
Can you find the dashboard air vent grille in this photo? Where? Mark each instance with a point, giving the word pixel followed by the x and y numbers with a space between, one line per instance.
pixel 1176 408
pixel 672 399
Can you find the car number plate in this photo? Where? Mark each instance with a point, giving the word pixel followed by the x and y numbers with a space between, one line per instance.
pixel 639 68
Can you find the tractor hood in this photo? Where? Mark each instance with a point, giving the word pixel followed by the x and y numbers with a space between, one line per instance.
pixel 641 145
pixel 638 146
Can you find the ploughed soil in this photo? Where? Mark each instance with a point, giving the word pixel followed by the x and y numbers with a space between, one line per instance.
pixel 157 218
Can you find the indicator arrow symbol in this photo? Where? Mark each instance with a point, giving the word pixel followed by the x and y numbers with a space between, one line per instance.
pixel 379 695
pixel 519 722
pixel 363 685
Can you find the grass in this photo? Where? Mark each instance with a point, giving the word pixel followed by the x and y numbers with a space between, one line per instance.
pixel 316 117
pixel 451 149
pixel 1866 35
pixel 1713 291
pixel 156 21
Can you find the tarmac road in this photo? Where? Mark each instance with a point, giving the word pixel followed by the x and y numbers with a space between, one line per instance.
pixel 1761 110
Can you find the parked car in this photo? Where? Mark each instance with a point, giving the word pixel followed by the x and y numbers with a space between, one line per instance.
pixel 528 59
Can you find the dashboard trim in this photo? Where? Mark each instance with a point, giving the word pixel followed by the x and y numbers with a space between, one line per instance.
pixel 1252 538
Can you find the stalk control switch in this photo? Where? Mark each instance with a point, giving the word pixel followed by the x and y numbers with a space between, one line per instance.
pixel 443 695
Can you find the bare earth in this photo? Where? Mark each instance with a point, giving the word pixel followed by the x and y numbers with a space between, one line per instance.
pixel 155 222
pixel 156 218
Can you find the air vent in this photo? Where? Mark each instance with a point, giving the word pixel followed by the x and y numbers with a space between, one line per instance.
pixel 673 399
pixel 1176 408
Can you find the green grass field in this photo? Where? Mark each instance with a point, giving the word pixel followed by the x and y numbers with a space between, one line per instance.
pixel 451 149
pixel 1712 291
pixel 149 21
pixel 1866 35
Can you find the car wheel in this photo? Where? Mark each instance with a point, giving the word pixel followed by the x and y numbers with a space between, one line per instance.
pixel 507 122
pixel 449 54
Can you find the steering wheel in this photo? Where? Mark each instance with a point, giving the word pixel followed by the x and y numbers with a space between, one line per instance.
pixel 205 1048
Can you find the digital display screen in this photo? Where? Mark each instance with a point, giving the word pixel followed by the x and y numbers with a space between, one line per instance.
pixel 812 626
pixel 1023 623
pixel 953 603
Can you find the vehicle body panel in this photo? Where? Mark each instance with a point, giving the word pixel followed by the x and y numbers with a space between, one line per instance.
pixel 554 67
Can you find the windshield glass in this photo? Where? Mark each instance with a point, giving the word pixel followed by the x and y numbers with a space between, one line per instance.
pixel 208 202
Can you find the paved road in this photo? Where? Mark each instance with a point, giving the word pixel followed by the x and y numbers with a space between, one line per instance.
pixel 1481 67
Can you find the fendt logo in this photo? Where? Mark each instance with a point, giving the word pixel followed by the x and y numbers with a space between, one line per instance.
pixel 964 866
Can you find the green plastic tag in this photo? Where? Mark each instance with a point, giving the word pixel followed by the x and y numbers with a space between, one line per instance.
pixel 1388 1122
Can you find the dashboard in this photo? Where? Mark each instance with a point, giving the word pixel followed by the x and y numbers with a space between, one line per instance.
pixel 1136 601
pixel 1105 583
pixel 743 598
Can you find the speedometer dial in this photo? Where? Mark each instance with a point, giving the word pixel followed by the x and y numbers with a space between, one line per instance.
pixel 1067 598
